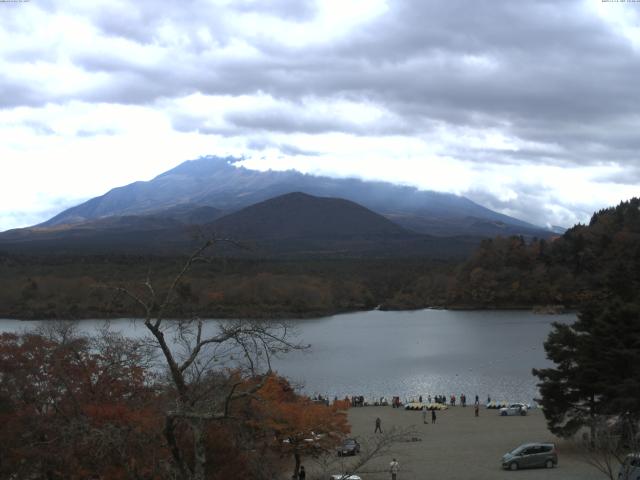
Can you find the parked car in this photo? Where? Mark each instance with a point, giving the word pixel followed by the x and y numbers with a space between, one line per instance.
pixel 349 447
pixel 514 409
pixel 531 455
pixel 344 477
pixel 630 467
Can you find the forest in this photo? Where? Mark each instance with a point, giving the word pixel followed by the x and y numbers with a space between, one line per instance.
pixel 503 272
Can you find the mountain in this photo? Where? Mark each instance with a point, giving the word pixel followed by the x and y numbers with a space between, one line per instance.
pixel 221 184
pixel 291 225
pixel 301 216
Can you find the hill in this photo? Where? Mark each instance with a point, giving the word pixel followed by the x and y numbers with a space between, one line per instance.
pixel 294 224
pixel 301 216
pixel 222 184
pixel 586 262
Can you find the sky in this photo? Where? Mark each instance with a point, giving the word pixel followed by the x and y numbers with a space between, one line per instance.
pixel 529 108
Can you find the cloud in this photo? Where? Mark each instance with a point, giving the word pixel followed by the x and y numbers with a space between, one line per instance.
pixel 473 87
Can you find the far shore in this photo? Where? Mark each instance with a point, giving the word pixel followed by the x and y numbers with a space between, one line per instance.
pixel 298 315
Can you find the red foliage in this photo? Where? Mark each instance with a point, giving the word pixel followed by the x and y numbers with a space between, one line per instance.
pixel 70 412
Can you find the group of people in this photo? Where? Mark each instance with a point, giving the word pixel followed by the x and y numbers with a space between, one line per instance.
pixel 452 399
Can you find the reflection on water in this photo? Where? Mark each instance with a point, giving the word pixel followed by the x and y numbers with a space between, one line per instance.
pixel 407 353
pixel 423 352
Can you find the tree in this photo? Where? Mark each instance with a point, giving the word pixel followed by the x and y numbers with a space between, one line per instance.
pixel 71 407
pixel 373 447
pixel 597 370
pixel 615 438
pixel 211 371
pixel 299 426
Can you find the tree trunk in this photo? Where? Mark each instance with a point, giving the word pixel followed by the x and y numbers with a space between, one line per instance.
pixel 592 426
pixel 199 450
pixel 172 441
pixel 296 468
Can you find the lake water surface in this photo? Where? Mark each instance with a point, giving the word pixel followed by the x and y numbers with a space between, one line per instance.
pixel 407 353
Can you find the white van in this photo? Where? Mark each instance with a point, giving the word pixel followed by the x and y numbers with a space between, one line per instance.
pixel 630 468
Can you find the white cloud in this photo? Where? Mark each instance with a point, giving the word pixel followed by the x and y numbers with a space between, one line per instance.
pixel 529 110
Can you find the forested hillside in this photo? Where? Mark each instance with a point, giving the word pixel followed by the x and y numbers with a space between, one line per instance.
pixel 586 261
pixel 583 264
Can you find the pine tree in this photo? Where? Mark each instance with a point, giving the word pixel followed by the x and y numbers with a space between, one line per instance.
pixel 597 367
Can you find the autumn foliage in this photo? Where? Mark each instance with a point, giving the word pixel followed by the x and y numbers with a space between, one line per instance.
pixel 78 408
pixel 299 426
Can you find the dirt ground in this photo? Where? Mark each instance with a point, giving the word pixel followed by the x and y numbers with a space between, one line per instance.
pixel 462 447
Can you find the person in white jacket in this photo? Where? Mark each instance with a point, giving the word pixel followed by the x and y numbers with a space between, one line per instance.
pixel 394 466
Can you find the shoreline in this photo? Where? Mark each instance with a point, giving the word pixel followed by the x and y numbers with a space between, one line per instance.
pixel 311 315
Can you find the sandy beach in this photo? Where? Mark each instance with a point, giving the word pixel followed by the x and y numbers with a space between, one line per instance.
pixel 462 447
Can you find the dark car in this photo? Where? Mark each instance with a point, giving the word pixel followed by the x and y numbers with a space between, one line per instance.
pixel 531 455
pixel 349 447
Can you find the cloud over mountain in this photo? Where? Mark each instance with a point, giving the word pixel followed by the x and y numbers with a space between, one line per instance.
pixel 532 106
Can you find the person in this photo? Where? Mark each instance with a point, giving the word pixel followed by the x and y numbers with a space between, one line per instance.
pixel 302 475
pixel 433 416
pixel 394 466
pixel 424 414
pixel 477 408
pixel 378 425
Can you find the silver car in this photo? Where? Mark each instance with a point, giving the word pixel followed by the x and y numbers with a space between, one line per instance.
pixel 514 409
pixel 531 455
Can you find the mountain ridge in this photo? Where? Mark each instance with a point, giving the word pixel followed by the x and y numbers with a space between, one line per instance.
pixel 220 183
pixel 291 225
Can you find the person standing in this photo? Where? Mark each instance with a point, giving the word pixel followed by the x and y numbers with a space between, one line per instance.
pixel 394 466
pixel 378 425
pixel 477 408
pixel 424 414
pixel 433 416
pixel 302 475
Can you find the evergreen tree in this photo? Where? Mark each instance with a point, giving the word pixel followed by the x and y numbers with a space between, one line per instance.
pixel 597 367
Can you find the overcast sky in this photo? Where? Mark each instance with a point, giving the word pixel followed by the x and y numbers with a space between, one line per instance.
pixel 531 108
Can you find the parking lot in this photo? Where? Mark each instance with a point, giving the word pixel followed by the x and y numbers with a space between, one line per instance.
pixel 462 447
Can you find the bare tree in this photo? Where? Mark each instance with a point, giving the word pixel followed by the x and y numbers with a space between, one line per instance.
pixel 199 357
pixel 607 448
pixel 372 447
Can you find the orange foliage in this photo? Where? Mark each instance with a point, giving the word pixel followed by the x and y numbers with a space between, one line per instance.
pixel 69 412
pixel 298 424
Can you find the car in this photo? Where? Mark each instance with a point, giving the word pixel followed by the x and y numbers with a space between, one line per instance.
pixel 630 467
pixel 344 476
pixel 531 455
pixel 514 409
pixel 349 447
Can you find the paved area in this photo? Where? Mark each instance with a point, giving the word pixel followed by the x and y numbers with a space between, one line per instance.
pixel 462 447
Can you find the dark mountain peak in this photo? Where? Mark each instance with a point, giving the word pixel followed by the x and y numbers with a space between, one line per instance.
pixel 300 215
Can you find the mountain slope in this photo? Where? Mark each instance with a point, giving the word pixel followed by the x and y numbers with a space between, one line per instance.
pixel 219 183
pixel 586 263
pixel 298 215
pixel 291 225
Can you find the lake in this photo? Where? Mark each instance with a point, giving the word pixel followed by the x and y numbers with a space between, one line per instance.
pixel 408 354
